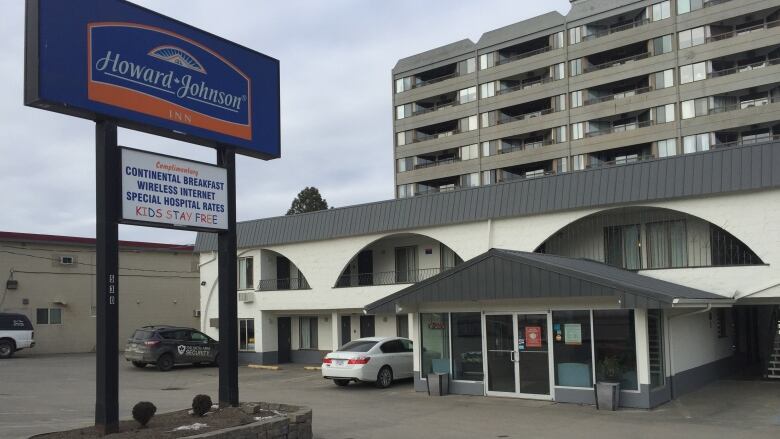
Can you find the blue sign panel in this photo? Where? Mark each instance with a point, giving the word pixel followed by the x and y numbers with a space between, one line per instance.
pixel 111 59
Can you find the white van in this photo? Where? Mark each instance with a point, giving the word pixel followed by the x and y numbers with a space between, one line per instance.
pixel 16 333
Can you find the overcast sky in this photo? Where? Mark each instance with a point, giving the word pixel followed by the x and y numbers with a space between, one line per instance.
pixel 335 56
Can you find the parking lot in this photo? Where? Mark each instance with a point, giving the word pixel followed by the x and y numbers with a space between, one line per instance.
pixel 47 393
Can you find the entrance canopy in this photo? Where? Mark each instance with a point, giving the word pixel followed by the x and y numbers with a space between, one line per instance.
pixel 507 274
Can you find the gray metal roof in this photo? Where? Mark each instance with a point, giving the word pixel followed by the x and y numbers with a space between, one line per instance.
pixel 521 29
pixel 750 167
pixel 506 274
pixel 586 8
pixel 434 55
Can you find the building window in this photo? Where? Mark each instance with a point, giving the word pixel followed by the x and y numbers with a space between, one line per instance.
pixel 578 162
pixel 467 66
pixel 488 118
pixel 572 349
pixel 245 273
pixel 696 143
pixel 48 316
pixel 691 37
pixel 693 72
pixel 655 342
pixel 694 108
pixel 559 134
pixel 489 177
pixel 469 180
pixel 246 335
pixel 487 60
pixel 467 95
pixel 667 244
pixel 575 35
pixel 405 164
pixel 575 67
pixel 614 346
pixel 467 346
pixel 556 40
pixel 308 332
pixel 559 102
pixel 685 6
pixel 434 340
pixel 403 111
pixel 487 90
pixel 402 325
pixel 576 99
pixel 403 84
pixel 622 246
pixel 664 79
pixel 662 44
pixel 661 10
pixel 469 152
pixel 406 264
pixel 403 138
pixel 405 190
pixel 577 130
pixel 667 148
pixel 557 71
pixel 664 113
pixel 468 123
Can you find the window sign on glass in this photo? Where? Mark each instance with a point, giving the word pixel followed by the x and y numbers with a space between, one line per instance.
pixel 434 334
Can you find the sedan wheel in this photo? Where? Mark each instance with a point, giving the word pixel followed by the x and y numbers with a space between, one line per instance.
pixel 384 378
pixel 341 383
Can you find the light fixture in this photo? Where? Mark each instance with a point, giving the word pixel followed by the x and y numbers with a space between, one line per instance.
pixel 203 283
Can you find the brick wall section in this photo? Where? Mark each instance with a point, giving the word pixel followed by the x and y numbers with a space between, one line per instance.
pixel 297 424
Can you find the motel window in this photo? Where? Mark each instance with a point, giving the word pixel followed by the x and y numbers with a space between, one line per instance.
pixel 571 349
pixel 622 246
pixel 406 264
pixel 667 244
pixel 308 332
pixel 614 346
pixel 655 344
pixel 48 316
pixel 467 346
pixel 402 325
pixel 434 339
pixel 245 274
pixel 246 335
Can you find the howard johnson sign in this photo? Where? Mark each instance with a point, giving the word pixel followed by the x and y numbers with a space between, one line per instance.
pixel 113 59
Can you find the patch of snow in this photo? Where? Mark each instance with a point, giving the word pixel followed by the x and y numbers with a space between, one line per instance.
pixel 276 413
pixel 196 426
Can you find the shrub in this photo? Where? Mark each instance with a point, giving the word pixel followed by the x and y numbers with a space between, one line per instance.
pixel 143 412
pixel 201 404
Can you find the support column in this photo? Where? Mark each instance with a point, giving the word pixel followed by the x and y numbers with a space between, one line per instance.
pixel 228 289
pixel 335 328
pixel 108 193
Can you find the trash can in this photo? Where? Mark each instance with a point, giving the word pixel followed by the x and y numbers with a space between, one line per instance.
pixel 438 384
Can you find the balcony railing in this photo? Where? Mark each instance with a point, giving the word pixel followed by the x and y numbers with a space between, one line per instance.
pixel 616 62
pixel 524 146
pixel 531 115
pixel 621 161
pixel 768 139
pixel 422 137
pixel 387 277
pixel 525 84
pixel 744 68
pixel 738 32
pixel 615 29
pixel 760 102
pixel 423 110
pixel 523 55
pixel 621 95
pixel 294 283
pixel 437 163
pixel 621 128
pixel 435 80
pixel 436 190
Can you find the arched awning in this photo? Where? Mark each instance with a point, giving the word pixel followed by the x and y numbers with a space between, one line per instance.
pixel 507 274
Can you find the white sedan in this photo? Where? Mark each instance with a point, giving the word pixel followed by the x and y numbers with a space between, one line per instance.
pixel 373 359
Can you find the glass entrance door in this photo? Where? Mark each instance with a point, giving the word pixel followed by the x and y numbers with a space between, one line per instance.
pixel 517 355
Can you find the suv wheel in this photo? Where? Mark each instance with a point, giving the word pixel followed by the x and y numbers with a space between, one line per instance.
pixel 165 362
pixel 6 349
pixel 139 364
pixel 384 378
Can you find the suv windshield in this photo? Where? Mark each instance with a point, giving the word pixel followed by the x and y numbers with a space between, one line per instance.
pixel 142 335
pixel 358 346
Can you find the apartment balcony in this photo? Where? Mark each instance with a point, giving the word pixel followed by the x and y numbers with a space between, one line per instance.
pixel 616 90
pixel 295 283
pixel 616 62
pixel 743 67
pixel 742 31
pixel 619 127
pixel 615 28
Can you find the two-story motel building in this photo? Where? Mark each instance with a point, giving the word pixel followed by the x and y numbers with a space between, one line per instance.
pixel 666 266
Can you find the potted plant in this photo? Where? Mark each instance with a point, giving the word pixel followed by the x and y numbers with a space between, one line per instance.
pixel 608 385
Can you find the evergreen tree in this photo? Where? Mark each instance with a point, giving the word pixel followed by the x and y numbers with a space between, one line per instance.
pixel 308 200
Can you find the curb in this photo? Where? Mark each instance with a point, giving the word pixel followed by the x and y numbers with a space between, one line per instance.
pixel 312 368
pixel 263 366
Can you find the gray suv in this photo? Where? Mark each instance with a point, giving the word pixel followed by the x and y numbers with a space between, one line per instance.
pixel 166 346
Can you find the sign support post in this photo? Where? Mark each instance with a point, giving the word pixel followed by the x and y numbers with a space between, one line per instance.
pixel 107 276
pixel 228 278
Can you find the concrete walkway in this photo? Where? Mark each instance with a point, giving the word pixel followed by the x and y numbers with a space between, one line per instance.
pixel 46 393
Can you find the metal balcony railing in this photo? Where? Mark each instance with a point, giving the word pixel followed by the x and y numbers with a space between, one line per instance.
pixel 422 137
pixel 295 283
pixel 616 62
pixel 745 30
pixel 621 95
pixel 525 84
pixel 435 80
pixel 507 119
pixel 524 146
pixel 615 29
pixel 523 55
pixel 387 277
pixel 744 68
pixel 621 128
pixel 437 163
pixel 435 107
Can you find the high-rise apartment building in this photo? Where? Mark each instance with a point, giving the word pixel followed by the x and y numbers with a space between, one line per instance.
pixel 612 82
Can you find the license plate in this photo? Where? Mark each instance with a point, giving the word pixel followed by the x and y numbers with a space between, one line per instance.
pixel 339 362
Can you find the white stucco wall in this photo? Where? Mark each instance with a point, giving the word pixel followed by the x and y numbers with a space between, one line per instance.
pixel 694 340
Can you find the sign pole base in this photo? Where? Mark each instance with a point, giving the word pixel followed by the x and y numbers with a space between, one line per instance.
pixel 107 179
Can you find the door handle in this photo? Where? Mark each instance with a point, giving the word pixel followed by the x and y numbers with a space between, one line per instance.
pixel 513 356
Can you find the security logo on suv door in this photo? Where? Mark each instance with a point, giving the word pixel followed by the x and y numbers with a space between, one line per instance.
pixel 182 349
